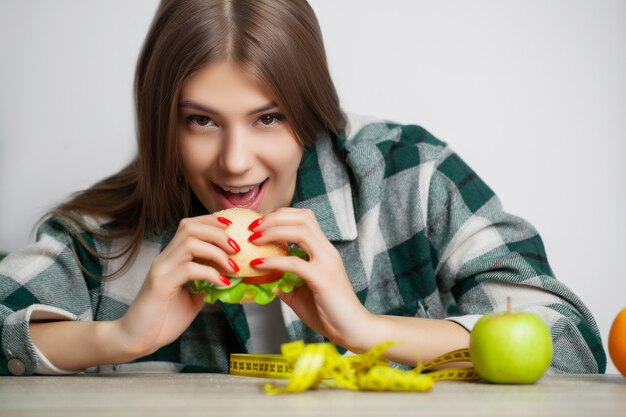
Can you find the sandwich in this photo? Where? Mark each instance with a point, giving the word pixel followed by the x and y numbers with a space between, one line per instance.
pixel 249 284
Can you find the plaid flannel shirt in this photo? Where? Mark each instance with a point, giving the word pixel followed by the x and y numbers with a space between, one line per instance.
pixel 420 234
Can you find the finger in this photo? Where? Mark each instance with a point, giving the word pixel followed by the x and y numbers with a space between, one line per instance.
pixel 302 219
pixel 210 231
pixel 311 241
pixel 194 271
pixel 289 216
pixel 213 220
pixel 293 264
pixel 197 250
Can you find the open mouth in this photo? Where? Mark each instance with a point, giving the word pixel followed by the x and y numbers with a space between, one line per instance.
pixel 248 196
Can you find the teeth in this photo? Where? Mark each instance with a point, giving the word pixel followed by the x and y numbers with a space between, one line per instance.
pixel 236 190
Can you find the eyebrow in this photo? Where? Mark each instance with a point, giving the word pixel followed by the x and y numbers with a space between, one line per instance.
pixel 191 105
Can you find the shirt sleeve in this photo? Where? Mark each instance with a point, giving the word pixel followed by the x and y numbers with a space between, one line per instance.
pixel 41 282
pixel 484 255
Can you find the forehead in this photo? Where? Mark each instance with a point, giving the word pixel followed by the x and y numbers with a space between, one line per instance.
pixel 226 87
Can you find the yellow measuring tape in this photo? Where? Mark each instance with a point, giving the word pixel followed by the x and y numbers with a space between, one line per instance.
pixel 309 365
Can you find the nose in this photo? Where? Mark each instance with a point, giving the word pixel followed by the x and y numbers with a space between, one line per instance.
pixel 236 156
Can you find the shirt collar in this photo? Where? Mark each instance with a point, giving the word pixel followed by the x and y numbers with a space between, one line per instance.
pixel 323 185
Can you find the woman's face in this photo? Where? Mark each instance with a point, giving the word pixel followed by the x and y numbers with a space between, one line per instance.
pixel 237 148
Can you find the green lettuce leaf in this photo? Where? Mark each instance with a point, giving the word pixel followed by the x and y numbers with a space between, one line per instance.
pixel 261 293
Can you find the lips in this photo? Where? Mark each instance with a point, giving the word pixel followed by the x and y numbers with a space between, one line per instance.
pixel 246 196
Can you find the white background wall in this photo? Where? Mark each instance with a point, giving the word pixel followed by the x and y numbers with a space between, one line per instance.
pixel 531 93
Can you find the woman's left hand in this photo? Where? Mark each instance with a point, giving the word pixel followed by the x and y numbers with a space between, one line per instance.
pixel 327 303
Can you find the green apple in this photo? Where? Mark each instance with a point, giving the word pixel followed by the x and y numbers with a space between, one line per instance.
pixel 511 348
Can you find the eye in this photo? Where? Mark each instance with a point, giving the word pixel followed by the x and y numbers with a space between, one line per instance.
pixel 270 119
pixel 199 120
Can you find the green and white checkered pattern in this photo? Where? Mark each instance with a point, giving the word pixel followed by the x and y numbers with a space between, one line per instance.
pixel 421 235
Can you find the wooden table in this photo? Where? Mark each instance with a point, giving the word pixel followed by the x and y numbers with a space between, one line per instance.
pixel 182 395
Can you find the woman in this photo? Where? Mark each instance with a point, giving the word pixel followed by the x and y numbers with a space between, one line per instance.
pixel 235 107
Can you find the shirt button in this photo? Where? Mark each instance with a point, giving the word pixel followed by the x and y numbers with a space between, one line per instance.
pixel 16 366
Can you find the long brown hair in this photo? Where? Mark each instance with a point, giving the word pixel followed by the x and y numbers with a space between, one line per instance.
pixel 277 41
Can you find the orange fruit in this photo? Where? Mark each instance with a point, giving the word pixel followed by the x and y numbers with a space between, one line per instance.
pixel 617 342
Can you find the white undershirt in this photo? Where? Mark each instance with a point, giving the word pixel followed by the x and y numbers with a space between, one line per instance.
pixel 267 328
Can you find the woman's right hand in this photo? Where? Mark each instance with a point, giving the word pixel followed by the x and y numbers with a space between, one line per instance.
pixel 164 307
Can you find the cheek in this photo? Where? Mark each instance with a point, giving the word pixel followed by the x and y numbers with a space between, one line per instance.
pixel 288 159
pixel 196 156
pixel 186 157
pixel 294 157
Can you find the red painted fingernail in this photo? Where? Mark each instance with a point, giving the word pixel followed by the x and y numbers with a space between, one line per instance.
pixel 224 220
pixel 233 265
pixel 255 235
pixel 233 244
pixel 224 279
pixel 255 223
pixel 257 261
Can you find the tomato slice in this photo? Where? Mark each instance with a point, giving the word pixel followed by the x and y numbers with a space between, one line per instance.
pixel 263 279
